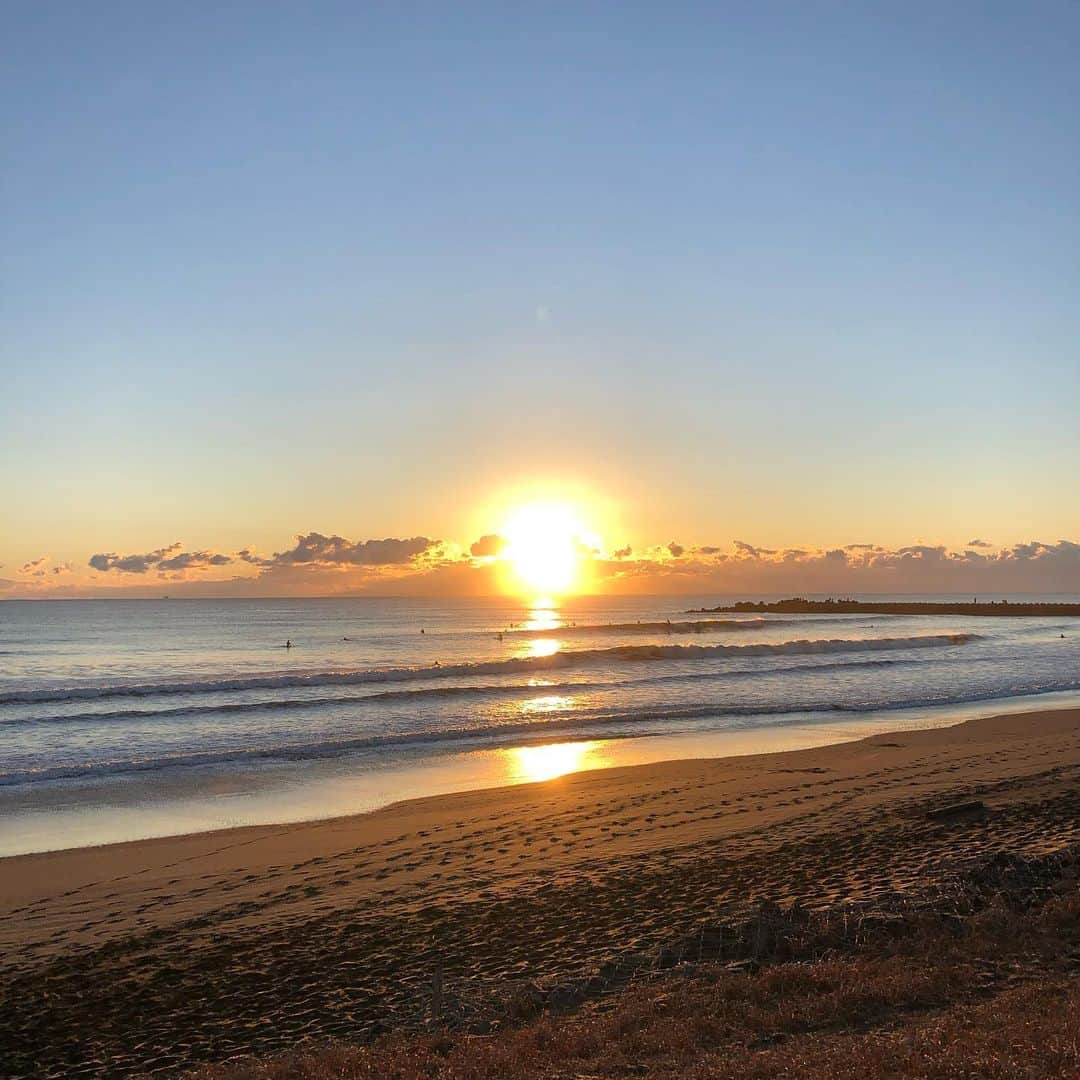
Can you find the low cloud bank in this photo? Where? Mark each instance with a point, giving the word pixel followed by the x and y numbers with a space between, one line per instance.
pixel 315 563
pixel 311 548
pixel 318 564
pixel 1034 566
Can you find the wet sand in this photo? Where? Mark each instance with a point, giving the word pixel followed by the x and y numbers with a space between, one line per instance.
pixel 161 953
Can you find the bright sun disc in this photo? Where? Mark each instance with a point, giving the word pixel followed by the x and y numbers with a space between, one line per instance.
pixel 545 547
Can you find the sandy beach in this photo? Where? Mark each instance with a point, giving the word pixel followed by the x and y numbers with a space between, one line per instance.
pixel 537 542
pixel 255 940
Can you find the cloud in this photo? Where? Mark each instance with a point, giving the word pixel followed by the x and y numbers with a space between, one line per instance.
pixel 316 565
pixel 337 551
pixel 979 544
pixel 169 559
pixel 748 551
pixel 1031 567
pixel 131 564
pixel 488 546
pixel 188 560
pixel 319 564
pixel 1064 552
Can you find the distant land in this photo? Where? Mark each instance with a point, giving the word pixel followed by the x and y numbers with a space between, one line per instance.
pixel 796 605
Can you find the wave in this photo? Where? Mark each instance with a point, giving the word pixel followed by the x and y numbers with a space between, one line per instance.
pixel 436 692
pixel 538 731
pixel 696 626
pixel 563 659
pixel 337 747
pixel 699 626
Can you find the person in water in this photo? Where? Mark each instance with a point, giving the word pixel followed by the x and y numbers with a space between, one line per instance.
pixel 288 643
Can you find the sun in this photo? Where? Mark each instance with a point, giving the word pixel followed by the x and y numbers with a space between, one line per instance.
pixel 546 546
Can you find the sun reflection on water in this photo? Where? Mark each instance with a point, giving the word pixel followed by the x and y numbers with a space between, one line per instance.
pixel 547 703
pixel 544 647
pixel 543 615
pixel 533 763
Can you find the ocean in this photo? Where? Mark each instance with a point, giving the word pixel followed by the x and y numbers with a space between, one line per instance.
pixel 127 719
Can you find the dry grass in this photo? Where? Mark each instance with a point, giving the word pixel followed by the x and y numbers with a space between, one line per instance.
pixel 992 995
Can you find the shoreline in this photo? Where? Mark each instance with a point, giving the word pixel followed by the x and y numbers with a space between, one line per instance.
pixel 336 789
pixel 254 940
pixel 438 802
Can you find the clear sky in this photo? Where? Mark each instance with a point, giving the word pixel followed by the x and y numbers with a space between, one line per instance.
pixel 803 274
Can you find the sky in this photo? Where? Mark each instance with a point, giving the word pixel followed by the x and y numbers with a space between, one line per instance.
pixel 795 276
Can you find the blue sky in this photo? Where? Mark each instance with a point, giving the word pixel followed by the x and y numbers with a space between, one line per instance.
pixel 803 273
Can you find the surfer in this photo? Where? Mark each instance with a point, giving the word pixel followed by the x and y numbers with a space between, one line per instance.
pixel 288 643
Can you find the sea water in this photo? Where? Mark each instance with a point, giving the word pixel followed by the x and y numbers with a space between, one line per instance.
pixel 124 719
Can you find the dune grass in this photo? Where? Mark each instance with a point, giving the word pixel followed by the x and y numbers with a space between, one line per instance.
pixel 995 994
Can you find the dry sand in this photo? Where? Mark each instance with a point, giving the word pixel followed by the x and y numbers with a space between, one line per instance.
pixel 161 953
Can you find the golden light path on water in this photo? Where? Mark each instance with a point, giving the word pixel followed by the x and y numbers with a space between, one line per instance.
pixel 535 763
pixel 543 615
pixel 544 647
pixel 547 703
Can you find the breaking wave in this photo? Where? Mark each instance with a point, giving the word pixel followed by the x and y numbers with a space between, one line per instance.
pixel 567 658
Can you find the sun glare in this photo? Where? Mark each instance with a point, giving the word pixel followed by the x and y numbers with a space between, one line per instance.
pixel 546 546
pixel 533 763
pixel 543 647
